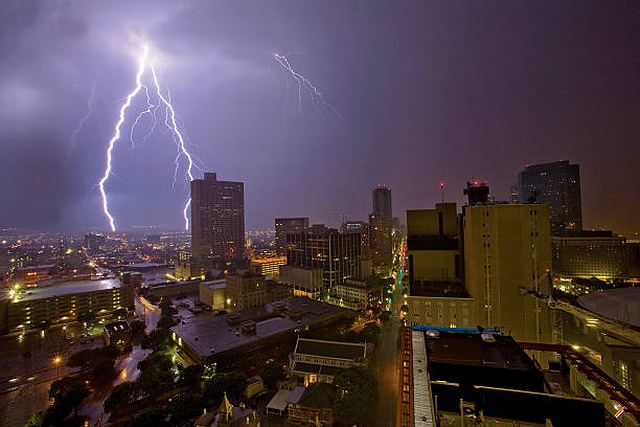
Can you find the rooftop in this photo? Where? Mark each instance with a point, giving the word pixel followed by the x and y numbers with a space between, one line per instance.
pixel 215 284
pixel 622 304
pixel 319 395
pixel 67 288
pixel 438 288
pixel 331 349
pixel 210 334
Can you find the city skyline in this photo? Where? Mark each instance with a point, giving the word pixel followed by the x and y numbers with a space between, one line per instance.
pixel 493 97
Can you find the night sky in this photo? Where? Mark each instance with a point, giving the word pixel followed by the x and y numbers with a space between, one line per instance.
pixel 426 91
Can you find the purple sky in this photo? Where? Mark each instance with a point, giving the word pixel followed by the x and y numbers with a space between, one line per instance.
pixel 426 91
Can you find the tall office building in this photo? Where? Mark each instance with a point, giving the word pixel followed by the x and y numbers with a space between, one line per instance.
pixel 381 198
pixel 288 225
pixel 363 228
pixel 437 295
pixel 321 250
pixel 508 247
pixel 381 244
pixel 558 185
pixel 217 219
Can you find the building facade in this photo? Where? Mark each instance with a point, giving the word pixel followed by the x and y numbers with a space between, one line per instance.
pixel 587 254
pixel 288 225
pixel 381 244
pixel 381 201
pixel 508 247
pixel 217 219
pixel 336 254
pixel 558 185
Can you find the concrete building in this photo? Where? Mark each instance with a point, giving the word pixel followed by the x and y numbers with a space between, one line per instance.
pixel 357 295
pixel 305 282
pixel 437 295
pixel 587 254
pixel 361 227
pixel 558 185
pixel 288 225
pixel 336 254
pixel 217 219
pixel 247 289
pixel 31 275
pixel 209 337
pixel 381 233
pixel 459 377
pixel 269 266
pixel 508 247
pixel 315 361
pixel 213 294
pixel 62 303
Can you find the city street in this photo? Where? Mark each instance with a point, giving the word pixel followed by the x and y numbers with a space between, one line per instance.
pixel 386 362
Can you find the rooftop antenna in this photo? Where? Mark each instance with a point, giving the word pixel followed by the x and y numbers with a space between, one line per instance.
pixel 441 191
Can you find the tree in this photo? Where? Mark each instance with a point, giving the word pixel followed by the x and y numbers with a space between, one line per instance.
pixel 153 418
pixel 122 395
pixel 158 339
pixel 191 376
pixel 155 374
pixel 120 312
pixel 233 383
pixel 88 317
pixel 67 394
pixel 184 407
pixel 137 327
pixel 271 372
pixel 356 393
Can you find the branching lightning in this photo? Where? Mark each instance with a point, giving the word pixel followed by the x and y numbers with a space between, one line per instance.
pixel 171 116
pixel 151 110
pixel 303 82
pixel 83 120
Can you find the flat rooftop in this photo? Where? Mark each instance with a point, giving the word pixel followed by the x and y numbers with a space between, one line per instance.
pixel 67 288
pixel 331 349
pixel 471 350
pixel 215 284
pixel 210 334
pixel 621 304
pixel 438 288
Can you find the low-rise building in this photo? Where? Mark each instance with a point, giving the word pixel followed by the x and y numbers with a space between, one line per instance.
pixel 305 282
pixel 116 333
pixel 62 303
pixel 314 407
pixel 319 360
pixel 213 293
pixel 210 336
pixel 357 295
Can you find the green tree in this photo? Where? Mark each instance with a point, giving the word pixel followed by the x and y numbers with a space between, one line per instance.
pixel 88 317
pixel 121 396
pixel 67 394
pixel 356 393
pixel 156 374
pixel 158 340
pixel 191 376
pixel 271 372
pixel 184 407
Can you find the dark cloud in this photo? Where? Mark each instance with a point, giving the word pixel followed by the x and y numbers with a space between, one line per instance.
pixel 426 90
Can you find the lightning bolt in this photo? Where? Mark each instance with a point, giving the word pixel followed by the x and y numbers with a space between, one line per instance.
pixel 169 121
pixel 142 64
pixel 151 110
pixel 303 82
pixel 83 120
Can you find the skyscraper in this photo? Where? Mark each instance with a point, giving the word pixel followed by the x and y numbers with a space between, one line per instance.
pixel 381 244
pixel 337 255
pixel 217 219
pixel 558 185
pixel 508 247
pixel 381 198
pixel 288 225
